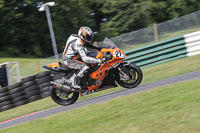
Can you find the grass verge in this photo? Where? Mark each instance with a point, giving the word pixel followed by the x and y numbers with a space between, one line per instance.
pixel 174 108
pixel 151 74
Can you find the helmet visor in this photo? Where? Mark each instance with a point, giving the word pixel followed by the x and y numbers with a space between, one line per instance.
pixel 89 38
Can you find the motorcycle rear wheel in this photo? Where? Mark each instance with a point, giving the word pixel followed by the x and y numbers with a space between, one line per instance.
pixel 62 97
pixel 133 72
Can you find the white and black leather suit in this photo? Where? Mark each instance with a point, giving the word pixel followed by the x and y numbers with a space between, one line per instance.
pixel 75 48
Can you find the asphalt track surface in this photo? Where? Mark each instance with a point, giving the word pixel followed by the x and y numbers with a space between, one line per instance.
pixel 99 99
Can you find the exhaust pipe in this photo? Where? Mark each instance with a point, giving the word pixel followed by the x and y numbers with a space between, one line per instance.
pixel 65 87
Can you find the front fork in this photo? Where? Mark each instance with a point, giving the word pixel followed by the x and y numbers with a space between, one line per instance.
pixel 123 75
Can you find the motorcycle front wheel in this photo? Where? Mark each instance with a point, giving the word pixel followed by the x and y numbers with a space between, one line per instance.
pixel 129 75
pixel 62 97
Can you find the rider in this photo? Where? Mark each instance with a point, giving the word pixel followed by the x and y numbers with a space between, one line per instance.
pixel 77 46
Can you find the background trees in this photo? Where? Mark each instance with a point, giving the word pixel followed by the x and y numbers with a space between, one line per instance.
pixel 24 31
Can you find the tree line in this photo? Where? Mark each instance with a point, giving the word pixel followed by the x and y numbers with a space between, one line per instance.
pixel 24 30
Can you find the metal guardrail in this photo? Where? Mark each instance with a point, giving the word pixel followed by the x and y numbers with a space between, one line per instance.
pixel 165 51
pixel 192 41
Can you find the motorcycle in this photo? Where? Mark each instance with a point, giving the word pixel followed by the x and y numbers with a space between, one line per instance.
pixel 101 77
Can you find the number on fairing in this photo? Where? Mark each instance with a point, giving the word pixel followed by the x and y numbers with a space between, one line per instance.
pixel 118 54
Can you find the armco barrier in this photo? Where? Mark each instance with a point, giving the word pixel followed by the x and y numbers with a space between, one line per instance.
pixel 165 51
pixel 158 53
pixel 192 42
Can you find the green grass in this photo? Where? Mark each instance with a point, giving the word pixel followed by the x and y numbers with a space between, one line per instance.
pixel 151 74
pixel 171 109
pixel 173 68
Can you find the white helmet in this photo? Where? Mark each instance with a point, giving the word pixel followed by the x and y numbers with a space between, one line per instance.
pixel 86 34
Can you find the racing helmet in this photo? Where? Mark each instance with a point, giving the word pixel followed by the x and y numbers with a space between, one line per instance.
pixel 86 34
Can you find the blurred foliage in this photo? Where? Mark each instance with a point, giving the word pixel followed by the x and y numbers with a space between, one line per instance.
pixel 24 30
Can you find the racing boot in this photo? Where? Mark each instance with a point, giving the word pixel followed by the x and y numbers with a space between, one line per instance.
pixel 73 81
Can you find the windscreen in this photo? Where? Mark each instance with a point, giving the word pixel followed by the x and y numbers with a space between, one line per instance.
pixel 107 43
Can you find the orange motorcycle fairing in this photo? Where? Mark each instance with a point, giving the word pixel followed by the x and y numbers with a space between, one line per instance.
pixel 102 71
pixel 53 65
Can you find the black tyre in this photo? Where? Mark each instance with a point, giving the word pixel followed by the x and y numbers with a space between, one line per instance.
pixel 20 103
pixel 32 93
pixel 33 98
pixel 42 74
pixel 45 89
pixel 63 98
pixel 6 107
pixel 45 94
pixel 16 85
pixel 43 80
pixel 134 74
pixel 28 79
pixel 5 98
pixel 18 94
pixel 43 85
pixel 28 84
pixel 21 98
pixel 5 103
pixel 15 90
pixel 3 94
pixel 31 88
